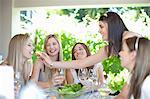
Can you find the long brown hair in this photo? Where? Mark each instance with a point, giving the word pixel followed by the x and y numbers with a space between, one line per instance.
pixel 87 51
pixel 142 66
pixel 116 28
pixel 131 43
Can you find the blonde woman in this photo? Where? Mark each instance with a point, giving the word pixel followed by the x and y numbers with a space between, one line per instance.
pixel 20 51
pixel 42 75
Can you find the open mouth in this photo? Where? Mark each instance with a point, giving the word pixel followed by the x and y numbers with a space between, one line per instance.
pixel 52 51
pixel 31 52
pixel 80 55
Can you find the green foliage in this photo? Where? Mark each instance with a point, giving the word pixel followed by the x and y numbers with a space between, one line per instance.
pixel 116 82
pixel 112 65
pixel 112 68
pixel 85 14
pixel 67 41
pixel 38 42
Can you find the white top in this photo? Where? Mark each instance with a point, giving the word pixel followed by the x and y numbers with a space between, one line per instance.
pixel 6 82
pixel 75 76
pixel 145 90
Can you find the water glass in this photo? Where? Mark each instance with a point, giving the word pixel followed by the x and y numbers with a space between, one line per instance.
pixel 60 73
pixel 83 75
pixel 93 79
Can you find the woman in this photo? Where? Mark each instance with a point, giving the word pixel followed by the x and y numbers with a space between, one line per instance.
pixel 112 29
pixel 140 80
pixel 44 76
pixel 133 58
pixel 79 52
pixel 128 58
pixel 20 51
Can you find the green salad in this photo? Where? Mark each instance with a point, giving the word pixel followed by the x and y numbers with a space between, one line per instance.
pixel 70 88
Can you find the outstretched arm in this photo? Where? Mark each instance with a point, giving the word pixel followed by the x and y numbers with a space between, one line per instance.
pixel 76 64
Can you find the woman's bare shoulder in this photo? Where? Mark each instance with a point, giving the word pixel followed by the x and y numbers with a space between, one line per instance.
pixel 38 63
pixel 129 34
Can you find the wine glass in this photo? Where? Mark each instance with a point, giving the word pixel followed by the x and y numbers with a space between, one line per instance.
pixel 93 79
pixel 83 76
pixel 60 73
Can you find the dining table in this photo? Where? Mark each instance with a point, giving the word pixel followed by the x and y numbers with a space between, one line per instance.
pixel 51 93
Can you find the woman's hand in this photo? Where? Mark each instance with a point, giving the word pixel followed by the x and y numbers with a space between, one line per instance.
pixel 45 59
pixel 58 79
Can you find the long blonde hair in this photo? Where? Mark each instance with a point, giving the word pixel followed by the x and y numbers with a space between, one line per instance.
pixel 141 69
pixel 60 56
pixel 15 53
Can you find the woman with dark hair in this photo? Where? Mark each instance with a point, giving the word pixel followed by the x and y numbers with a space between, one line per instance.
pixel 81 51
pixel 112 29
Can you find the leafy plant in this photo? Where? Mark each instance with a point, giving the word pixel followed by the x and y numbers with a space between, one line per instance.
pixel 115 82
pixel 113 69
pixel 112 65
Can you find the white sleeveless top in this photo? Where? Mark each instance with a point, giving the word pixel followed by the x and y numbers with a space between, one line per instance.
pixel 75 76
pixel 145 89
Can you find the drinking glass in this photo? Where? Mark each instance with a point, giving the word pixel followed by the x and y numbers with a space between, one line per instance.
pixel 93 79
pixel 83 75
pixel 60 73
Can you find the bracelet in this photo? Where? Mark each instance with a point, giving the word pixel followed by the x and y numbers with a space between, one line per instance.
pixel 51 65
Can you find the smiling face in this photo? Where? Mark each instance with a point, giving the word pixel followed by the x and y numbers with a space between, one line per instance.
pixel 79 52
pixel 127 57
pixel 28 49
pixel 52 47
pixel 103 29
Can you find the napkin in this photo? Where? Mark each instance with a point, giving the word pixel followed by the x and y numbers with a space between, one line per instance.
pixel 6 82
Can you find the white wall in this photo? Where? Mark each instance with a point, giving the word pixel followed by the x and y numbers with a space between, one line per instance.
pixel 0 24
pixel 5 27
